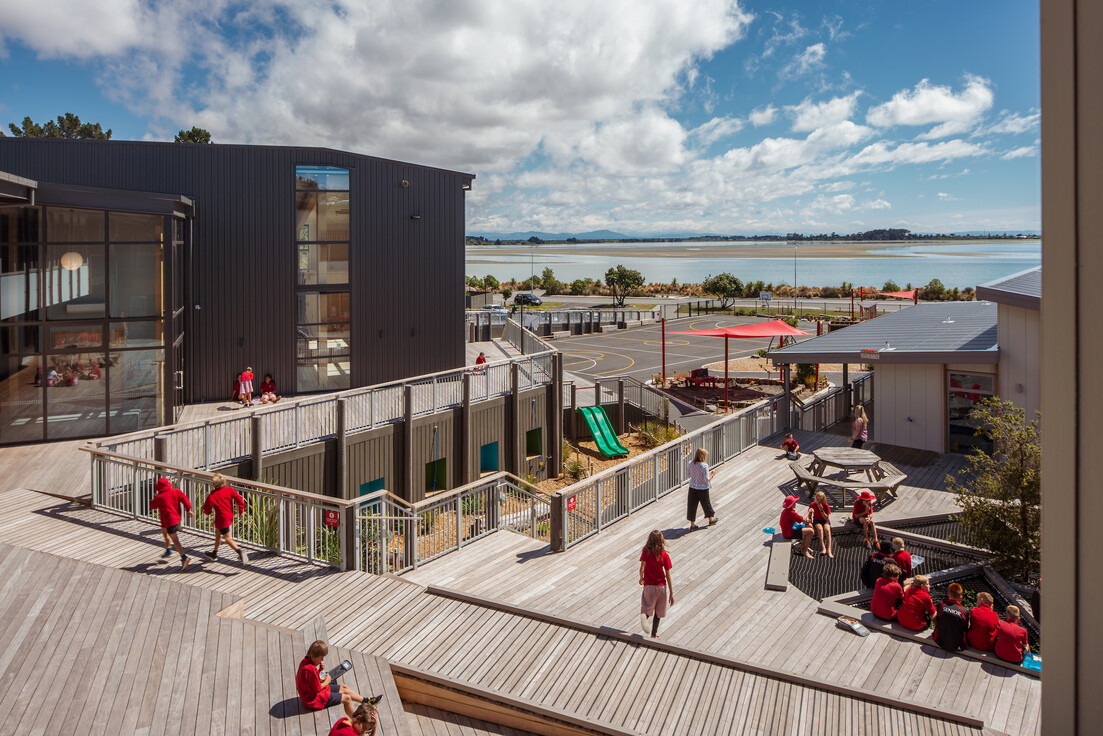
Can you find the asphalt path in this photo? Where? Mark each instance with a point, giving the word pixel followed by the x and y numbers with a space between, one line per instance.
pixel 637 352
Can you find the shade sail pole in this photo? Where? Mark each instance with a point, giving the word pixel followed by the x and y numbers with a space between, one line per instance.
pixel 725 374
pixel 664 352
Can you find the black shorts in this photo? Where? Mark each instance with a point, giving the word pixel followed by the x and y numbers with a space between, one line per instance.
pixel 821 523
pixel 334 694
pixel 172 529
pixel 857 444
pixel 224 531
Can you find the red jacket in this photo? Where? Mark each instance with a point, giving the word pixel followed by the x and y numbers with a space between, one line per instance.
pixel 167 503
pixel 222 500
pixel 887 595
pixel 788 518
pixel 903 560
pixel 1011 642
pixel 309 685
pixel 916 610
pixel 982 628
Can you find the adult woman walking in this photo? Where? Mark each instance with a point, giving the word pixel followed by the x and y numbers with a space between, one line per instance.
pixel 700 483
pixel 859 431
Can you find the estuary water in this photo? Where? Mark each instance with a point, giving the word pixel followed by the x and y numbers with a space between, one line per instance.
pixel 957 263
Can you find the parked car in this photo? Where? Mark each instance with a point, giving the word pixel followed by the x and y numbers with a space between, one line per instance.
pixel 493 308
pixel 529 298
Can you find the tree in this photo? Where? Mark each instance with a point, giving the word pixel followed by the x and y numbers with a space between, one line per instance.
pixel 934 290
pixel 724 287
pixel 622 281
pixel 491 282
pixel 551 284
pixel 890 285
pixel 67 126
pixel 1000 494
pixel 195 135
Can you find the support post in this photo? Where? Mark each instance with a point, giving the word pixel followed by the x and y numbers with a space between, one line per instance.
pixel 467 458
pixel 160 448
pixel 555 417
pixel 620 406
pixel 787 399
pixel 664 354
pixel 517 459
pixel 408 443
pixel 558 523
pixel 350 560
pixel 258 447
pixel 342 450
pixel 574 412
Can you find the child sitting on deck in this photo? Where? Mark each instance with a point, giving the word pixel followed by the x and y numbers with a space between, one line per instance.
pixel 887 594
pixel 317 692
pixel 862 515
pixel 1012 642
pixel 791 447
pixel 917 609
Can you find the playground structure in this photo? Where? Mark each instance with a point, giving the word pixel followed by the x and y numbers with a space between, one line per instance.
pixel 608 444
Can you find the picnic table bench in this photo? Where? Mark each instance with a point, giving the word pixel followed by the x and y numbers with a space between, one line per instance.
pixel 889 483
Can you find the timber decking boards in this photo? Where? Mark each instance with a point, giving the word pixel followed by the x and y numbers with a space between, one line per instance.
pixel 717 583
pixel 718 576
pixel 122 653
pixel 435 722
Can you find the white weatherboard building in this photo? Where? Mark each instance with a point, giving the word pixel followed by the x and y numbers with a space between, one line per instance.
pixel 933 362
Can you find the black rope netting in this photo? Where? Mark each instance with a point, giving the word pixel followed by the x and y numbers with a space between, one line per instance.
pixel 949 530
pixel 822 576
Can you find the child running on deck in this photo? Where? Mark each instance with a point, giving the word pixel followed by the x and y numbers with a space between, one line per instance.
pixel 222 501
pixel 167 504
pixel 658 589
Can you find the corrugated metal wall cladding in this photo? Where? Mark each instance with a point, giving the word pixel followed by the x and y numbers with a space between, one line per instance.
pixel 406 274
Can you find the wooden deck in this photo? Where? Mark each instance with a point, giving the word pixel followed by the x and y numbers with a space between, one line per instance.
pixel 121 653
pixel 710 676
pixel 721 602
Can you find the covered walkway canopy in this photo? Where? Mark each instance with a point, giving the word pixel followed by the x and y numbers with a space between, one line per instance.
pixel 777 328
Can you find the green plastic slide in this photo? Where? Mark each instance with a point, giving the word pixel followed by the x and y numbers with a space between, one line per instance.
pixel 598 422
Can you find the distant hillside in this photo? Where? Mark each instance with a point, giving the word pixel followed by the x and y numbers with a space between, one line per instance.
pixel 594 235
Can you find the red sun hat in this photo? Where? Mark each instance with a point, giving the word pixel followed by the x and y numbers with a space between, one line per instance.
pixel 866 496
pixel 162 484
pixel 789 502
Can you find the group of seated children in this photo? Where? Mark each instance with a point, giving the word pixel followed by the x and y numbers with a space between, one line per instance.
pixel 887 552
pixel 243 389
pixel 955 627
pixel 817 522
pixel 66 373
pixel 318 690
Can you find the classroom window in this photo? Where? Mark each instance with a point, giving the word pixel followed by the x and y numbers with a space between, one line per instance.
pixel 436 475
pixel 488 458
pixel 533 442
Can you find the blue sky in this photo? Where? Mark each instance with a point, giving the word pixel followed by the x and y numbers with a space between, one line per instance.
pixel 640 116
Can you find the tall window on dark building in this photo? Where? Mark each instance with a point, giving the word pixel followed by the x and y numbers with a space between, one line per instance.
pixel 322 290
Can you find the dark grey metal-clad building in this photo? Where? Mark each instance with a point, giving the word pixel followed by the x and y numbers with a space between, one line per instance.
pixel 135 277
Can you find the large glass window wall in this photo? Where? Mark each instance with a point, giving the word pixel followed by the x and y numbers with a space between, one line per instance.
pixel 81 323
pixel 322 243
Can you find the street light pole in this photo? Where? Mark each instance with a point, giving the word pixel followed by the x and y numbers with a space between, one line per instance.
pixel 794 278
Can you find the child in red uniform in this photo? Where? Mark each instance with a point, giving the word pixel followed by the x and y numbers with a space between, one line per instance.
pixel 268 390
pixel 887 594
pixel 167 504
pixel 819 514
pixel 246 387
pixel 1012 641
pixel 222 500
pixel 917 609
pixel 658 588
pixel 791 447
pixel 902 558
pixel 792 524
pixel 982 624
pixel 863 517
pixel 360 722
pixel 317 692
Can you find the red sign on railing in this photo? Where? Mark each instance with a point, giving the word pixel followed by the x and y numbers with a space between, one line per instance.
pixel 332 518
pixel 571 503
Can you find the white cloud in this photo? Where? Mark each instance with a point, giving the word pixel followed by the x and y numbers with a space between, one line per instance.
pixel 954 113
pixel 809 60
pixel 1024 152
pixel 762 116
pixel 810 115
pixel 878 204
pixel 716 129
pixel 1014 123
pixel 945 197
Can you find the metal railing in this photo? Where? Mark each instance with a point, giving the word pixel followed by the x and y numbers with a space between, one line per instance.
pixel 834 406
pixel 375 533
pixel 525 340
pixel 213 443
pixel 396 536
pixel 590 505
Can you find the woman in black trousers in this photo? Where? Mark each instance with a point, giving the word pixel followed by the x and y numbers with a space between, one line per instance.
pixel 700 483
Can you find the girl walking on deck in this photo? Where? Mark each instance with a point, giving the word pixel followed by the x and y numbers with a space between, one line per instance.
pixel 658 589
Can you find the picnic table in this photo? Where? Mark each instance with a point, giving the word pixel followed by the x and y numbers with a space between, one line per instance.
pixel 849 460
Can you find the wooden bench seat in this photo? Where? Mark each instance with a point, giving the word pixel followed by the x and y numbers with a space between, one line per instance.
pixel 890 483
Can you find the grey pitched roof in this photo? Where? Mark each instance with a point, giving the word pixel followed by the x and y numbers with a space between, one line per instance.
pixel 1023 289
pixel 940 332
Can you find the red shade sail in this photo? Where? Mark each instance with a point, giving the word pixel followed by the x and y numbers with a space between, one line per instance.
pixel 777 328
pixel 899 294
